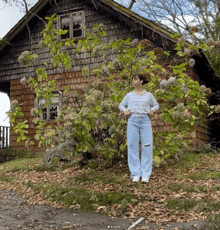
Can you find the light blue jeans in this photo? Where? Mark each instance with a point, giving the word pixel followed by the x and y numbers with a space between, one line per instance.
pixel 139 128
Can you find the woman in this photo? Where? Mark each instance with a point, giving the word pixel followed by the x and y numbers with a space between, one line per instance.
pixel 139 104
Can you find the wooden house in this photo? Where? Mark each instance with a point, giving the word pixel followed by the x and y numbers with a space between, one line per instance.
pixel 73 15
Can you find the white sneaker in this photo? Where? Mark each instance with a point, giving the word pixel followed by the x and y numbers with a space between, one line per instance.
pixel 145 179
pixel 136 179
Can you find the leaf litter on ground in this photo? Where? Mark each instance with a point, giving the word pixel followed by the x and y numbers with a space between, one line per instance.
pixel 159 200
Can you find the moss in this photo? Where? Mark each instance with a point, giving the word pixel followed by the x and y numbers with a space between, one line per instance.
pixel 215 188
pixel 84 199
pixel 6 179
pixel 206 205
pixel 107 176
pixel 213 223
pixel 206 174
pixel 181 204
pixel 188 188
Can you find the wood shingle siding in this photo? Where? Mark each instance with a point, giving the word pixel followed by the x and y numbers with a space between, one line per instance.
pixel 119 23
pixel 10 68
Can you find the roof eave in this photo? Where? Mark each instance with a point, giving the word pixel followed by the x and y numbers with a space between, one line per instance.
pixel 21 24
pixel 124 11
pixel 136 17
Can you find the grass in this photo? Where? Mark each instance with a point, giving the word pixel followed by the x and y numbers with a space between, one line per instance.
pixel 189 188
pixel 204 175
pixel 21 164
pixel 111 188
pixel 207 205
pixel 190 159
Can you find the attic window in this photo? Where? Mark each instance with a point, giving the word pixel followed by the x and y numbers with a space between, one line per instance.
pixel 50 112
pixel 73 23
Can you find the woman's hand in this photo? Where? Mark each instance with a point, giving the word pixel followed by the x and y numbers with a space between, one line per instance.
pixel 127 113
pixel 151 113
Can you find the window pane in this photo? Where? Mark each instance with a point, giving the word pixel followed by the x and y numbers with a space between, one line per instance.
pixel 65 25
pixel 77 33
pixel 53 112
pixel 77 26
pixel 67 35
pixel 65 20
pixel 50 112
pixel 77 17
pixel 44 114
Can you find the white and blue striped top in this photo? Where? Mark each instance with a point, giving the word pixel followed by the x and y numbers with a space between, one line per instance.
pixel 139 104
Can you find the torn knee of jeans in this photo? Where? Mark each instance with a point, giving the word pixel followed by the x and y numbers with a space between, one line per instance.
pixel 146 145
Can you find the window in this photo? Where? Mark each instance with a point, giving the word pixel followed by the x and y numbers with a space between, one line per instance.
pixel 73 23
pixel 50 112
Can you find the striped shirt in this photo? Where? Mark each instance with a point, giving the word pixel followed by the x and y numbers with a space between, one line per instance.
pixel 139 104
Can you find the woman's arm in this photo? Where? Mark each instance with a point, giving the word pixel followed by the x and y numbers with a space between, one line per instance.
pixel 123 105
pixel 154 105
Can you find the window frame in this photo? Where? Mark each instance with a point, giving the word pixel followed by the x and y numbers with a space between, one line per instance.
pixel 48 109
pixel 71 24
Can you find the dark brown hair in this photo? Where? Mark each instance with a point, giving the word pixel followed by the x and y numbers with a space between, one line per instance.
pixel 141 77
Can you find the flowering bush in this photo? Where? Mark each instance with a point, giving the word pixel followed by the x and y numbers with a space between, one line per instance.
pixel 91 116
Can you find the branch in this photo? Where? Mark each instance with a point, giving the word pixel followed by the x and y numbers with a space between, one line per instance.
pixel 28 28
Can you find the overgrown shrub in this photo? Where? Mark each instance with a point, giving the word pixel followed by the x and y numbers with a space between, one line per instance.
pixel 91 116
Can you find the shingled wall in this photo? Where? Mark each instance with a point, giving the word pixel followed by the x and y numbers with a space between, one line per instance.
pixel 201 135
pixel 10 68
pixel 116 25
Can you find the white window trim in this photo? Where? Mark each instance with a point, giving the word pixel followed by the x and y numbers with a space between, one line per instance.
pixel 71 23
pixel 41 107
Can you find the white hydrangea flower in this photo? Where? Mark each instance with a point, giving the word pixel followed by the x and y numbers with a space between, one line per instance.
pixel 23 80
pixel 105 71
pixel 171 80
pixel 97 50
pixel 203 87
pixel 180 107
pixel 210 42
pixel 187 52
pixel 192 62
pixel 134 42
pixel 163 83
pixel 184 88
pixel 14 103
pixel 116 64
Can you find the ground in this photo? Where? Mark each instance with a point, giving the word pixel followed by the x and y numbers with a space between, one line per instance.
pixel 181 194
pixel 17 214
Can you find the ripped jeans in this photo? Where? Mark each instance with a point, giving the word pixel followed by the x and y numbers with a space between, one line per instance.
pixel 139 127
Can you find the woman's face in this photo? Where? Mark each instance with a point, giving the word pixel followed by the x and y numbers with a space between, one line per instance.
pixel 136 82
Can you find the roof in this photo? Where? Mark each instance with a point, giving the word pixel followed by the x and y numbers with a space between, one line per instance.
pixel 110 4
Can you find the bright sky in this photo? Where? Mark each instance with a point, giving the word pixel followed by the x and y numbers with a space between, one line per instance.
pixel 9 16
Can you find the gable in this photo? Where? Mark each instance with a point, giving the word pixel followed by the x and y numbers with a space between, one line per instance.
pixel 118 22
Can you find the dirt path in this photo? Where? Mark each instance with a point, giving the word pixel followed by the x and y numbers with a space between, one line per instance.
pixel 15 214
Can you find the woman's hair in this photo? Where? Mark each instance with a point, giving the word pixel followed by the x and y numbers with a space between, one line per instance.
pixel 141 77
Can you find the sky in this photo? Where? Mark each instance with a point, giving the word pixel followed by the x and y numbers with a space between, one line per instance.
pixel 9 16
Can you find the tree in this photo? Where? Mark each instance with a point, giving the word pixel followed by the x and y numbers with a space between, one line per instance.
pixel 184 17
pixel 197 21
